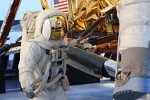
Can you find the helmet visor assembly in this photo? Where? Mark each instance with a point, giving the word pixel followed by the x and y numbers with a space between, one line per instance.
pixel 58 27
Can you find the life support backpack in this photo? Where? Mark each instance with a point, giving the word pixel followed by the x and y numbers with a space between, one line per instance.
pixel 28 21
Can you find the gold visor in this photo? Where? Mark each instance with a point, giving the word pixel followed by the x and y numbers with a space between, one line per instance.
pixel 58 27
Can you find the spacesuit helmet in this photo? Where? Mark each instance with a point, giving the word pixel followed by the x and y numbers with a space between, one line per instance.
pixel 55 26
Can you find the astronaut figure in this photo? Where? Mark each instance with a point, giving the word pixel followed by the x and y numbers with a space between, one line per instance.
pixel 42 60
pixel 133 77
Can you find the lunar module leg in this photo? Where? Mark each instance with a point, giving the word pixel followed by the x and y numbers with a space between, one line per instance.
pixel 133 74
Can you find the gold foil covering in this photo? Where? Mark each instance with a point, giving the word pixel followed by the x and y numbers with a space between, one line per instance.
pixel 83 13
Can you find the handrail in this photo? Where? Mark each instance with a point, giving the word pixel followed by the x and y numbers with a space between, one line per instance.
pixel 7 23
pixel 44 4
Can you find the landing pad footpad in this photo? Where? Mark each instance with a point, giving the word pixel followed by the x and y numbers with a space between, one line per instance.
pixel 128 95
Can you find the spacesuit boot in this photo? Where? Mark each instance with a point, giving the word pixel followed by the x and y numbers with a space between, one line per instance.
pixel 133 74
pixel 42 61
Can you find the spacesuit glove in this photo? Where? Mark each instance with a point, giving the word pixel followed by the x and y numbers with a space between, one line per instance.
pixel 73 42
pixel 85 45
pixel 29 92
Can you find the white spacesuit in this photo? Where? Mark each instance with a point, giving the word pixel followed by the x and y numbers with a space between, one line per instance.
pixel 133 77
pixel 42 60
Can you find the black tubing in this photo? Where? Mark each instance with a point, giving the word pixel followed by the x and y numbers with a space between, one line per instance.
pixel 88 59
